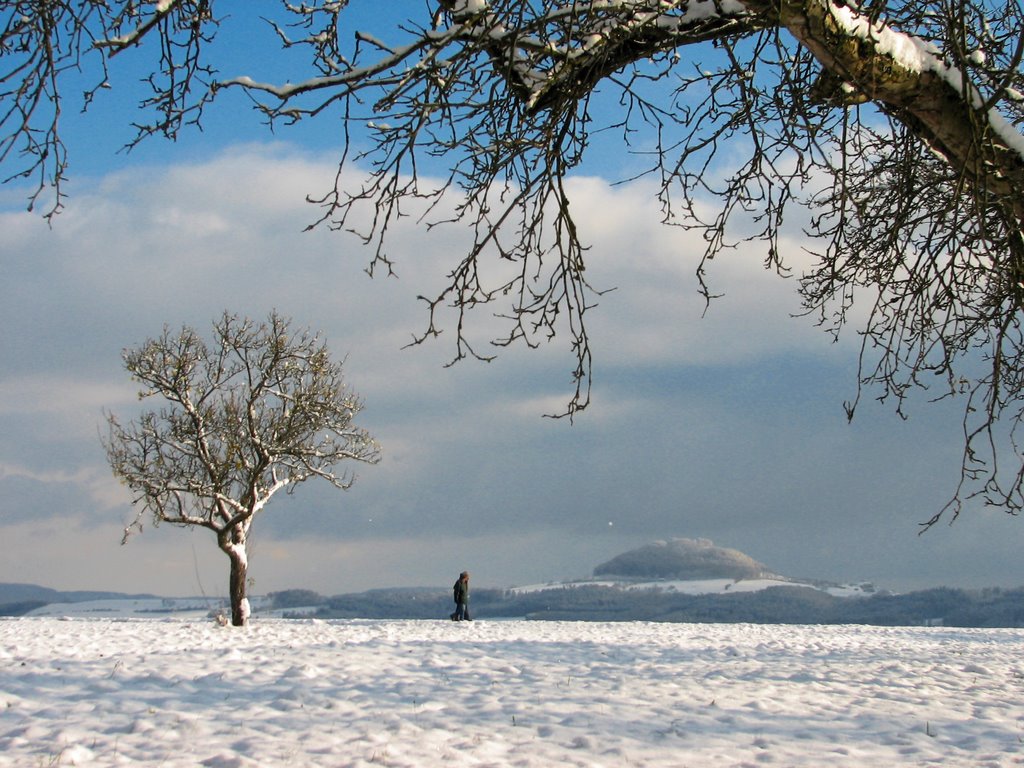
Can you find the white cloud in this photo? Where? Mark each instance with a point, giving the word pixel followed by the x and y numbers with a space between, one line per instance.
pixel 92 486
pixel 726 425
pixel 68 398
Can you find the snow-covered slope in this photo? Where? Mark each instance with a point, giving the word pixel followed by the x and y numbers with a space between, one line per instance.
pixel 704 586
pixel 418 694
pixel 693 567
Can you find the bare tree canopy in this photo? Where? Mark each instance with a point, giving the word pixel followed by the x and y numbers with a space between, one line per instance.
pixel 261 410
pixel 894 126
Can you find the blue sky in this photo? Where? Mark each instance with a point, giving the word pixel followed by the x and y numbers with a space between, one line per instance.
pixel 727 425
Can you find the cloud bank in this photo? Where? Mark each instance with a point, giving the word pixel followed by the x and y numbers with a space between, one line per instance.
pixel 726 425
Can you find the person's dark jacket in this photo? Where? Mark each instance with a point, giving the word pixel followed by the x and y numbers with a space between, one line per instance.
pixel 461 591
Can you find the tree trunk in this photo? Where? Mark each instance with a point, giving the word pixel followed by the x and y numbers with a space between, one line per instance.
pixel 948 117
pixel 239 602
pixel 233 544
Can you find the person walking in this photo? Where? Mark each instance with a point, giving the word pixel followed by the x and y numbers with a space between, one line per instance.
pixel 460 591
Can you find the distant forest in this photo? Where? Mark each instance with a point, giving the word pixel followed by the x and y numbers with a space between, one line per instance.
pixel 991 607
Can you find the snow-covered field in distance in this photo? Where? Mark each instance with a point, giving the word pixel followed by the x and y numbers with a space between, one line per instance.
pixel 144 607
pixel 174 692
pixel 704 586
pixel 200 607
pixel 195 607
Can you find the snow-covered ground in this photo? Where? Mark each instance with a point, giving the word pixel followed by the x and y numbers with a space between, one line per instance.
pixel 174 692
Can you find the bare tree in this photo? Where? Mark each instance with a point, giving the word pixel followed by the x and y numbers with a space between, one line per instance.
pixel 261 410
pixel 895 125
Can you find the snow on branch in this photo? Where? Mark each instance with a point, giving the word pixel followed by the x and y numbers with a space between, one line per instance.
pixel 546 65
pixel 909 78
pixel 161 10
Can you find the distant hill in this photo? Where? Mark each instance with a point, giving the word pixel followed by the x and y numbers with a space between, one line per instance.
pixel 20 593
pixel 686 580
pixel 604 601
pixel 19 599
pixel 681 580
pixel 684 559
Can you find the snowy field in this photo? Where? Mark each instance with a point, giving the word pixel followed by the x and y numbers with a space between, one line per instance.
pixel 703 586
pixel 173 692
